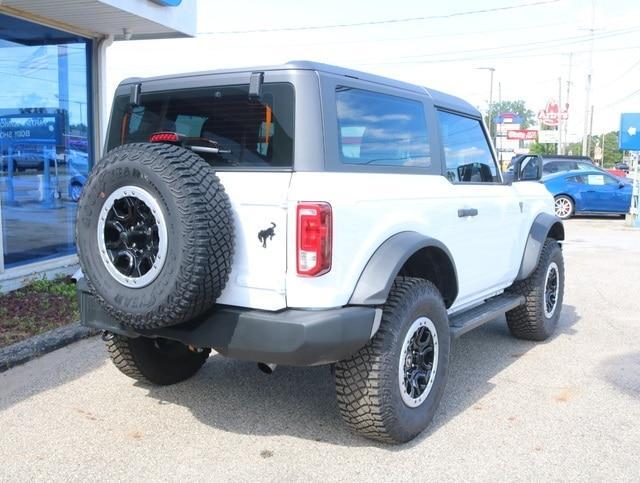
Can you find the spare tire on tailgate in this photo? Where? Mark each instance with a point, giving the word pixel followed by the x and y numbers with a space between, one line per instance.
pixel 154 234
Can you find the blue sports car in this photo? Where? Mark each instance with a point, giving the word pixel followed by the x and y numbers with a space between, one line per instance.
pixel 588 192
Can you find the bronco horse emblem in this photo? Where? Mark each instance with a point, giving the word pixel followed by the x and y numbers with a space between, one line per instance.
pixel 267 233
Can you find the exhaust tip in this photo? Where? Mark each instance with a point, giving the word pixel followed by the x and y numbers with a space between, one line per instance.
pixel 267 368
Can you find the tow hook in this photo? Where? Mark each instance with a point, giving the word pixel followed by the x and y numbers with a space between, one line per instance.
pixel 107 336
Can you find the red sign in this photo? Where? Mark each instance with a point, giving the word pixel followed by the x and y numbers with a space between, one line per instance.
pixel 551 114
pixel 524 134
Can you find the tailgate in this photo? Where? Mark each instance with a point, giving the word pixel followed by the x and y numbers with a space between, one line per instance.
pixel 259 266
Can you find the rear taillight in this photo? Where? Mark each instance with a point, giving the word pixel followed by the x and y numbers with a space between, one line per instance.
pixel 314 239
pixel 164 137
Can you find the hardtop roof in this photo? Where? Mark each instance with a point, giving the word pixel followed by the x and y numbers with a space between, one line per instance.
pixel 439 98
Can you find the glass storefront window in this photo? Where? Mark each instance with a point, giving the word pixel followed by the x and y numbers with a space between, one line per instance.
pixel 45 138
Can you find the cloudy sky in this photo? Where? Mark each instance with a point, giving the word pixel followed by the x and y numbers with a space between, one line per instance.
pixel 441 45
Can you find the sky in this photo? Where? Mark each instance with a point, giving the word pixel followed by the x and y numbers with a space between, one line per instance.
pixel 530 47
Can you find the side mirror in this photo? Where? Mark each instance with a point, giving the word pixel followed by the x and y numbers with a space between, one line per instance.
pixel 528 170
pixel 621 184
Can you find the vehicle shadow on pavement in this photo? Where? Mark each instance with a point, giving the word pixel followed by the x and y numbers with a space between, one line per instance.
pixel 234 396
pixel 23 382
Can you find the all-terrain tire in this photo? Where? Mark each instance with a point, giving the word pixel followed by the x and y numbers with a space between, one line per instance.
pixel 532 321
pixel 199 231
pixel 367 384
pixel 155 361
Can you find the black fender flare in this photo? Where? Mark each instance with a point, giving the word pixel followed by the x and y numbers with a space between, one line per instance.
pixel 376 279
pixel 543 224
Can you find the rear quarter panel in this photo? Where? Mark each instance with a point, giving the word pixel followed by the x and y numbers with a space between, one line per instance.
pixel 368 208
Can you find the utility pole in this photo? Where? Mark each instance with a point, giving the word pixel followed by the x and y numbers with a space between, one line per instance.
pixel 560 123
pixel 590 132
pixel 585 143
pixel 491 130
pixel 502 134
pixel 568 103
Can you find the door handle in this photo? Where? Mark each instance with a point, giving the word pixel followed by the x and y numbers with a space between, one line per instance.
pixel 464 212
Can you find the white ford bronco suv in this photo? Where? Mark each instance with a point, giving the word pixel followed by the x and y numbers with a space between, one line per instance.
pixel 307 214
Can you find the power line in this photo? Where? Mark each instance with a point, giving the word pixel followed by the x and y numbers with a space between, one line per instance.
pixel 386 21
pixel 416 37
pixel 562 41
pixel 499 55
pixel 621 76
pixel 628 96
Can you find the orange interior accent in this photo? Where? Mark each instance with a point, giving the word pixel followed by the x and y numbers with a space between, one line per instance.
pixel 268 125
pixel 123 128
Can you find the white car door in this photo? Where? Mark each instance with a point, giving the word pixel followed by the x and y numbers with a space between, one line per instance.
pixel 488 211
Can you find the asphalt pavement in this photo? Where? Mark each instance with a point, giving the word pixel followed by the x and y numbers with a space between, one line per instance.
pixel 565 409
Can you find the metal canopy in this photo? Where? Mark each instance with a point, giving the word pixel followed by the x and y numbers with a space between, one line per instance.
pixel 141 19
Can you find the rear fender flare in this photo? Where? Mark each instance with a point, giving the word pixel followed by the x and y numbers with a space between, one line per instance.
pixel 376 279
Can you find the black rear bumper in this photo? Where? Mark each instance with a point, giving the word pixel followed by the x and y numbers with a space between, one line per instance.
pixel 289 337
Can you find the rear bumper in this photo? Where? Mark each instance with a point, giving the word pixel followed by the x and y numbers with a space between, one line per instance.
pixel 289 337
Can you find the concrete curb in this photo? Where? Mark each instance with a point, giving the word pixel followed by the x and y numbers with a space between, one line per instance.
pixel 41 344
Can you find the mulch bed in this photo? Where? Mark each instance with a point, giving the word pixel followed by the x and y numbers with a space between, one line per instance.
pixel 40 306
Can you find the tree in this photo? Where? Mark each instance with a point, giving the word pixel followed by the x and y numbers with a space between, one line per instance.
pixel 538 148
pixel 517 107
pixel 611 153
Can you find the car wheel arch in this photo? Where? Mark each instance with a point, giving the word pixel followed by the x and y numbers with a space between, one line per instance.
pixel 544 226
pixel 406 254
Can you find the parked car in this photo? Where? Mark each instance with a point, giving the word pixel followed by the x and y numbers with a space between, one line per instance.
pixel 307 214
pixel 28 157
pixel 78 172
pixel 588 192
pixel 622 166
pixel 554 163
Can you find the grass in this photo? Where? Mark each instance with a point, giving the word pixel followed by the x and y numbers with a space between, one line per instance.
pixel 40 306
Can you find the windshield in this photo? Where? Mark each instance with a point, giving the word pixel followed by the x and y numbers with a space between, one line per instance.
pixel 250 133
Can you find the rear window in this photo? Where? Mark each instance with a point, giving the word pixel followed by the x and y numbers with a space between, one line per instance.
pixel 558 166
pixel 250 133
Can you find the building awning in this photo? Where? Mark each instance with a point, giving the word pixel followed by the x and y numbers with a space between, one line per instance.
pixel 135 19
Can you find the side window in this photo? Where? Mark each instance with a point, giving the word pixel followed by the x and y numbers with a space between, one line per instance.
pixel 381 130
pixel 466 150
pixel 548 168
pixel 599 180
pixel 575 179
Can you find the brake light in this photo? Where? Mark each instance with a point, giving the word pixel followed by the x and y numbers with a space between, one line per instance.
pixel 314 238
pixel 164 137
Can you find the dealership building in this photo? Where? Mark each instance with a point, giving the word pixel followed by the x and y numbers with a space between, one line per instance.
pixel 53 107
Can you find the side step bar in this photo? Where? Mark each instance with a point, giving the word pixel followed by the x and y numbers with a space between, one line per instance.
pixel 494 307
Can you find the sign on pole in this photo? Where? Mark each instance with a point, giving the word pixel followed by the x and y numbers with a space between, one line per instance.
pixel 523 134
pixel 597 153
pixel 630 131
pixel 630 141
pixel 548 137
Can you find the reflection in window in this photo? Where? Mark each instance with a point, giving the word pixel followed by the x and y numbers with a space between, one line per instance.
pixel 466 150
pixel 379 129
pixel 251 134
pixel 44 139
